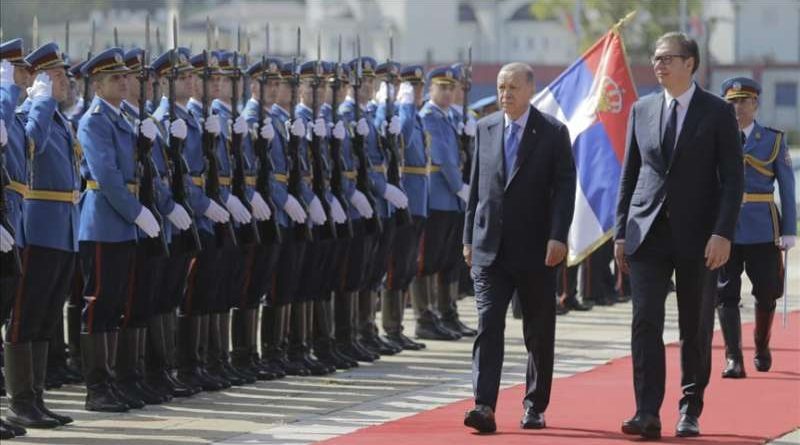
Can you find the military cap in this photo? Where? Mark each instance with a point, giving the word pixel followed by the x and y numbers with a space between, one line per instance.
pixel 368 65
pixel 269 66
pixel 45 57
pixel 458 70
pixel 442 75
pixel 307 69
pixel 134 58
pixel 163 64
pixel 110 61
pixel 739 87
pixel 198 62
pixel 386 68
pixel 13 52
pixel 412 73
pixel 288 70
pixel 343 72
pixel 226 62
pixel 75 69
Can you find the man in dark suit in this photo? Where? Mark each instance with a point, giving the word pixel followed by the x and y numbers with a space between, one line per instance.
pixel 680 193
pixel 521 200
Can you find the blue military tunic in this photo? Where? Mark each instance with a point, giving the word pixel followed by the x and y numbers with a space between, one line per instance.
pixel 446 178
pixel 14 160
pixel 767 160
pixel 377 169
pixel 305 113
pixel 349 164
pixel 54 156
pixel 305 185
pixel 223 110
pixel 109 144
pixel 416 159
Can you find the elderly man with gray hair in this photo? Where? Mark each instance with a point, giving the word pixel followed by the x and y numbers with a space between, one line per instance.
pixel 520 206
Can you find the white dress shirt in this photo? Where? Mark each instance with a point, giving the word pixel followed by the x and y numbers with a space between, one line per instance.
pixel 683 106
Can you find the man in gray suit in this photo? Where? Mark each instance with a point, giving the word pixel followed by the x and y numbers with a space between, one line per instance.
pixel 680 193
pixel 521 200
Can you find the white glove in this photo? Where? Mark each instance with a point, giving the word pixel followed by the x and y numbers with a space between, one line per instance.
pixel 463 193
pixel 363 127
pixel 267 132
pixel 394 125
pixel 297 128
pixel 361 204
pixel 216 213
pixel 3 133
pixel 42 87
pixel 178 129
pixel 337 212
pixel 470 128
pixel 315 212
pixel 179 218
pixel 6 240
pixel 338 131
pixel 260 208
pixel 148 128
pixel 294 210
pixel 405 94
pixel 240 126
pixel 319 128
pixel 212 125
pixel 787 242
pixel 395 196
pixel 237 209
pixel 6 72
pixel 147 222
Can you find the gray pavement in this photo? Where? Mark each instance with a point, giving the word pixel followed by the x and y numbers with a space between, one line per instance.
pixel 299 410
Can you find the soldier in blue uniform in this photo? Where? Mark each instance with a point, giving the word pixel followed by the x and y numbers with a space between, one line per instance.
pixel 446 204
pixel 416 181
pixel 50 225
pixel 112 222
pixel 762 232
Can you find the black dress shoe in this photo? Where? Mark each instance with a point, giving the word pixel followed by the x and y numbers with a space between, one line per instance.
pixel 734 369
pixel 561 309
pixel 645 425
pixel 481 418
pixel 574 304
pixel 688 426
pixel 532 420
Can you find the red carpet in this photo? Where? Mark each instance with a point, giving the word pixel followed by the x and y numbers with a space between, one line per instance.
pixel 588 408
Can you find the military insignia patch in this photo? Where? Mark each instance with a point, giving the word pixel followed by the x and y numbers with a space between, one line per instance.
pixel 117 58
pixel 418 72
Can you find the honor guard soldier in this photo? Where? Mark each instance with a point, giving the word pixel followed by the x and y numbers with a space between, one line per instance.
pixel 50 224
pixel 263 74
pixel 416 183
pixel 112 222
pixel 762 232
pixel 448 194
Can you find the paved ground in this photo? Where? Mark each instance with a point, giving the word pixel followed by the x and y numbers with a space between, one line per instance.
pixel 303 410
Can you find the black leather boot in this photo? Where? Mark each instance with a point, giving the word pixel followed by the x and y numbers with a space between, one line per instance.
pixel 22 406
pixel 74 341
pixel 229 371
pixel 446 303
pixel 171 353
pixel 100 396
pixel 262 370
pixel 271 338
pixel 131 398
pixel 731 324
pixel 291 351
pixel 761 335
pixel 190 364
pixel 39 349
pixel 157 369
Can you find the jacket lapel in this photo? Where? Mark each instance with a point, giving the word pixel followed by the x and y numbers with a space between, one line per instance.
pixel 527 143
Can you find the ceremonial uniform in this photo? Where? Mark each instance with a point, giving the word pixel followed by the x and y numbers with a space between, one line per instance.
pixel 762 232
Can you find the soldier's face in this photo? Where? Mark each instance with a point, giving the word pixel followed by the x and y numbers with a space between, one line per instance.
pixel 225 89
pixel 419 93
pixel 746 108
pixel 112 87
pixel 60 84
pixel 133 89
pixel 22 77
pixel 284 94
pixel 458 94
pixel 367 90
pixel 442 94
pixel 184 87
pixel 514 92
pixel 270 90
pixel 305 93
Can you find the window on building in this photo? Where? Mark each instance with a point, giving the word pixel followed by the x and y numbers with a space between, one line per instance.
pixel 466 13
pixel 786 94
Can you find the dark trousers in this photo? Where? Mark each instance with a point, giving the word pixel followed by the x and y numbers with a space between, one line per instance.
pixel 652 266
pixel 440 248
pixel 359 252
pixel 494 286
pixel 231 273
pixel 259 266
pixel 40 294
pixel 287 272
pixel 567 281
pixel 108 269
pixel 145 281
pixel 597 277
pixel 170 292
pixel 763 264
pixel 380 260
pixel 202 283
pixel 403 257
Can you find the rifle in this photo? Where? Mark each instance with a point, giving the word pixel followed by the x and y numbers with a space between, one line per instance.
pixel 466 141
pixel 224 231
pixel 11 257
pixel 146 172
pixel 270 230
pixel 318 167
pixel 65 53
pixel 302 231
pixel 248 235
pixel 374 225
pixel 345 231
pixel 87 96
pixel 156 86
pixel 187 241
pixel 390 142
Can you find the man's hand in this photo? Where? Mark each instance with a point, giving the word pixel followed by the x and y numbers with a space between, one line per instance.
pixel 556 252
pixel 468 254
pixel 619 256
pixel 718 250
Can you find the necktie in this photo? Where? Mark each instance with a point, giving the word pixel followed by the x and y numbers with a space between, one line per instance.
pixel 743 137
pixel 670 132
pixel 510 148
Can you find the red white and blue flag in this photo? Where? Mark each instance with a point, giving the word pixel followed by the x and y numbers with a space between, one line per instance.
pixel 593 98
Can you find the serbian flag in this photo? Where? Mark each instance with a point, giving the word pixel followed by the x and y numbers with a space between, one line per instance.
pixel 593 98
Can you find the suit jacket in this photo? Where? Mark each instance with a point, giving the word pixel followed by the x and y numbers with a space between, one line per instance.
pixel 515 218
pixel 701 185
